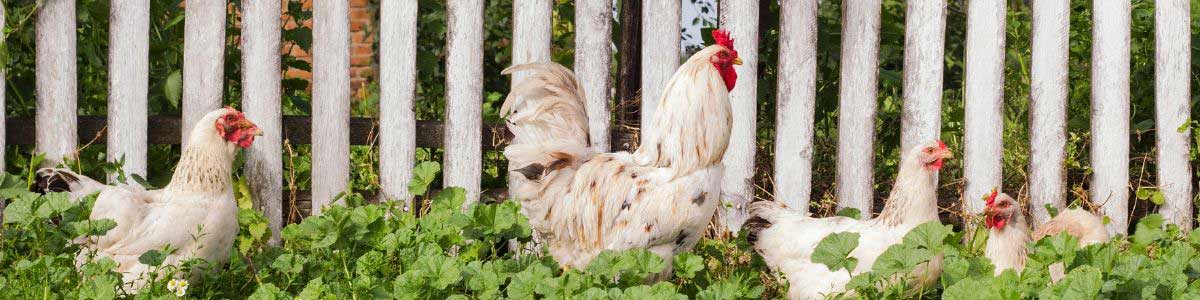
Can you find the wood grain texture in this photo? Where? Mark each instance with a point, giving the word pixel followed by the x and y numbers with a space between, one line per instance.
pixel 795 105
pixel 56 80
pixel 331 101
pixel 856 104
pixel 128 83
pixel 593 61
pixel 1172 90
pixel 924 41
pixel 532 20
pixel 261 92
pixel 1048 107
pixel 740 17
pixel 464 96
pixel 983 95
pixel 1110 112
pixel 397 64
pixel 660 48
pixel 203 60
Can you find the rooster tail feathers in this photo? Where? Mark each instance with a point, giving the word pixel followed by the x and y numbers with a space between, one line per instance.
pixel 54 180
pixel 547 105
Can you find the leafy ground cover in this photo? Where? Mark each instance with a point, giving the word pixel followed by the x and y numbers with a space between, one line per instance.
pixel 439 251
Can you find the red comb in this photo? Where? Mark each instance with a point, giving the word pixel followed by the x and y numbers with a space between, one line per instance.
pixel 941 144
pixel 991 199
pixel 722 37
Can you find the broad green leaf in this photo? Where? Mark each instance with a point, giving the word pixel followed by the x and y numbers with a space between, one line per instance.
pixel 1149 230
pixel 152 258
pixel 850 212
pixel 900 258
pixel 833 251
pixel 423 175
pixel 687 264
pixel 173 88
pixel 930 235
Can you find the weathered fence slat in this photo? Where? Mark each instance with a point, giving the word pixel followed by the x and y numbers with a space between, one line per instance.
pixel 740 17
pixel 856 104
pixel 660 49
pixel 796 100
pixel 261 92
pixel 984 101
pixel 1110 111
pixel 397 123
pixel 331 101
pixel 464 92
pixel 1172 90
pixel 531 34
pixel 593 57
pixel 128 83
pixel 924 41
pixel 1048 107
pixel 56 78
pixel 203 60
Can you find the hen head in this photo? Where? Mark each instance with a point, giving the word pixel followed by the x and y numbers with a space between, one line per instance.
pixel 933 155
pixel 1000 210
pixel 725 58
pixel 233 126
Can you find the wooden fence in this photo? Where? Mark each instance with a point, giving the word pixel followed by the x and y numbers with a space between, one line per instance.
pixel 462 133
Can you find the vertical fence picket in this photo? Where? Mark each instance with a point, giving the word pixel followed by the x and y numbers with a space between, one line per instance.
pixel 1110 111
pixel 660 49
pixel 464 92
pixel 1172 90
pixel 397 123
pixel 740 17
pixel 261 92
pixel 1048 107
pixel 531 34
pixel 56 80
pixel 984 101
pixel 593 58
pixel 856 104
pixel 796 100
pixel 128 84
pixel 203 61
pixel 924 39
pixel 331 102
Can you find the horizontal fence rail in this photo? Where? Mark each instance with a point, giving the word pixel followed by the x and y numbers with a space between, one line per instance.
pixel 464 136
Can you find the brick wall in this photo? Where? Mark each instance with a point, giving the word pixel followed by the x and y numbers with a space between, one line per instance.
pixel 363 32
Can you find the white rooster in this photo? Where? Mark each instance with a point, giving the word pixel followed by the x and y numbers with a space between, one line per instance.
pixel 787 238
pixel 660 197
pixel 196 214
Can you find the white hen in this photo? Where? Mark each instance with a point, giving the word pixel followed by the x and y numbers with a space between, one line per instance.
pixel 196 214
pixel 787 238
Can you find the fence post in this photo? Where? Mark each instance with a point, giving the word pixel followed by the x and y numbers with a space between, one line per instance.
pixel 128 84
pixel 261 92
pixel 796 99
pixel 984 101
pixel 1172 90
pixel 1110 111
pixel 531 34
pixel 397 124
pixel 331 102
pixel 856 105
pixel 464 95
pixel 740 17
pixel 593 58
pixel 660 40
pixel 1048 107
pixel 203 61
pixel 56 80
pixel 924 41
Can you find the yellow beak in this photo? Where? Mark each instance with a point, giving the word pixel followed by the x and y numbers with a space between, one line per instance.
pixel 737 61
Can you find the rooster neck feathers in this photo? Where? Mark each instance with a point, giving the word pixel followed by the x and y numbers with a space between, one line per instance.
pixel 913 199
pixel 206 164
